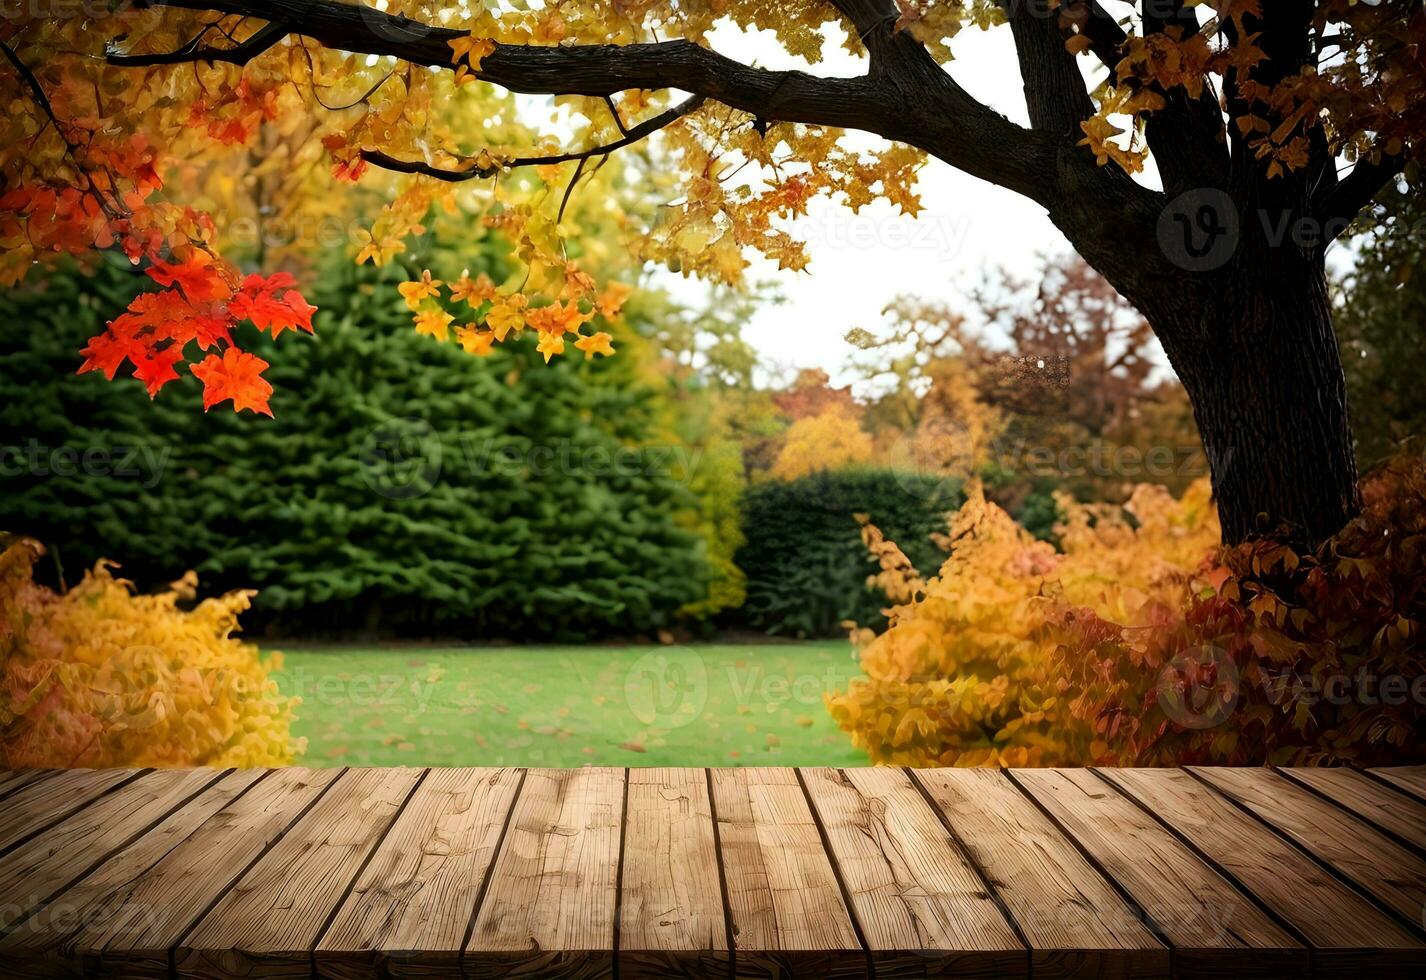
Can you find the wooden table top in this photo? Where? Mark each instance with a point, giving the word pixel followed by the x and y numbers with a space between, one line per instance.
pixel 778 872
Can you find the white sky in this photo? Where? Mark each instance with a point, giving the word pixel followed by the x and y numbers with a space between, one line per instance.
pixel 861 262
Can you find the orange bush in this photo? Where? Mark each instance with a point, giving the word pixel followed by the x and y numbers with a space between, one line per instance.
pixel 99 676
pixel 1142 642
pixel 967 672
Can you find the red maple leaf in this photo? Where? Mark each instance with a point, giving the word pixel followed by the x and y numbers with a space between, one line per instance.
pixel 259 301
pixel 155 369
pixel 198 276
pixel 105 353
pixel 236 375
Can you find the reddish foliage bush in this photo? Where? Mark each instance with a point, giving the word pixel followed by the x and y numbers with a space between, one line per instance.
pixel 1275 657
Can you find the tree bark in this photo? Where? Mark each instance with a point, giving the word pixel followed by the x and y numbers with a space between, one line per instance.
pixel 1260 362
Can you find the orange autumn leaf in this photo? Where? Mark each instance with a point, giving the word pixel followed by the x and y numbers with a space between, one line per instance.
pixel 197 275
pixel 423 288
pixel 598 343
pixel 236 375
pixel 557 318
pixel 272 303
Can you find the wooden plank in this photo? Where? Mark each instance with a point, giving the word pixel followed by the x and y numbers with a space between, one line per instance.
pixel 35 871
pixel 1074 920
pixel 1408 779
pixel 1204 917
pixel 48 801
pixel 133 932
pixel 409 912
pixel 671 921
pixel 1385 869
pixel 923 909
pixel 549 910
pixel 270 921
pixel 786 904
pixel 41 945
pixel 13 779
pixel 1388 809
pixel 1348 934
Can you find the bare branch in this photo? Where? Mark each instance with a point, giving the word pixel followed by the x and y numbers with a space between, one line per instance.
pixel 240 54
pixel 643 129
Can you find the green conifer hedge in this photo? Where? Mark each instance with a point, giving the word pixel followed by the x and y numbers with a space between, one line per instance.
pixel 403 487
pixel 805 563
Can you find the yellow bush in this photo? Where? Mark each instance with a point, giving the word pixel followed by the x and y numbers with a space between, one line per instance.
pixel 99 676
pixel 967 672
pixel 831 440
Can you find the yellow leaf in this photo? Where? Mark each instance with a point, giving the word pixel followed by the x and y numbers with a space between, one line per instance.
pixel 598 343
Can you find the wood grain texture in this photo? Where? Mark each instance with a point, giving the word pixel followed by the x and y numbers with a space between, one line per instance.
pixel 43 945
pixel 1347 933
pixel 549 910
pixel 134 932
pixel 158 874
pixel 409 912
pixel 923 909
pixel 1383 806
pixel 50 800
pixel 1392 874
pixel 12 780
pixel 272 918
pixel 38 869
pixel 671 921
pixel 1205 918
pixel 786 904
pixel 1409 779
pixel 1074 920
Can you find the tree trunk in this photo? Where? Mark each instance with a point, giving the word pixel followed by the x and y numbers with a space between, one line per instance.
pixel 1261 366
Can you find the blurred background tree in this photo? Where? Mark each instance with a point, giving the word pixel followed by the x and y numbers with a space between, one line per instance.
pixel 1381 310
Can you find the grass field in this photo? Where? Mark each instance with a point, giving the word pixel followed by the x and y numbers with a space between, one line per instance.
pixel 701 705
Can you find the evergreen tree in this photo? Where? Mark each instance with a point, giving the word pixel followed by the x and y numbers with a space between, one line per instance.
pixel 402 487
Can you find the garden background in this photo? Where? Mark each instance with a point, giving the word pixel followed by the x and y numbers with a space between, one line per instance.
pixel 656 557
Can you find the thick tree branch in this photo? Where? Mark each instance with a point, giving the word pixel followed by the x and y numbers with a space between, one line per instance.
pixel 1106 37
pixel 1055 93
pixel 1338 206
pixel 594 70
pixel 910 100
pixel 1187 136
pixel 645 128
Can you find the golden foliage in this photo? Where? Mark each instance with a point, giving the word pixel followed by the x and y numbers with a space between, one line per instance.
pixel 830 440
pixel 966 674
pixel 1142 642
pixel 99 676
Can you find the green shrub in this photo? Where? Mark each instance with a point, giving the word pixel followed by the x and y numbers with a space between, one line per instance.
pixel 805 563
pixel 403 487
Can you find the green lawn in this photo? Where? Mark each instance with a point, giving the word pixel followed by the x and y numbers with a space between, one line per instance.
pixel 700 705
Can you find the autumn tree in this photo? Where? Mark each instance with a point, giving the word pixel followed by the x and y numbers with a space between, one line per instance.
pixel 1270 125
